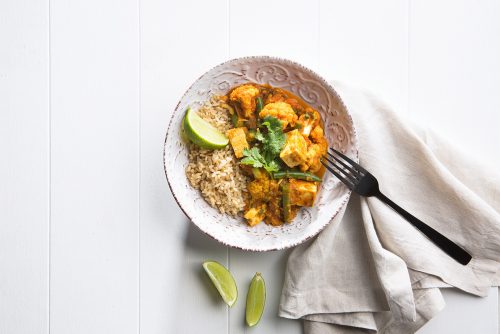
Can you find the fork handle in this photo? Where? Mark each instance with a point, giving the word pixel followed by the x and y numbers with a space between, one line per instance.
pixel 448 246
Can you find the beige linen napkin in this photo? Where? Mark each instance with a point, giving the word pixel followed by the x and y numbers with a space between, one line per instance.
pixel 370 270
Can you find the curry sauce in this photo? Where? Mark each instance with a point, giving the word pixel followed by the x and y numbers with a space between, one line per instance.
pixel 280 141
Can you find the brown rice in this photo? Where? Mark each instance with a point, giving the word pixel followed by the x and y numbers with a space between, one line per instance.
pixel 216 173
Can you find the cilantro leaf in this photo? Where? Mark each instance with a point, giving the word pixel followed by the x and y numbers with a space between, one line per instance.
pixel 272 124
pixel 272 166
pixel 253 157
pixel 259 136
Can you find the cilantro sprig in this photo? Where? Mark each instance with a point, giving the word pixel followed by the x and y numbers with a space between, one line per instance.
pixel 272 139
pixel 254 158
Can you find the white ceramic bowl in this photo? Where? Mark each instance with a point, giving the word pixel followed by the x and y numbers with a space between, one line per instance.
pixel 339 131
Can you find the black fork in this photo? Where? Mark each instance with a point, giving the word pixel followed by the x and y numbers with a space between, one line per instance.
pixel 363 183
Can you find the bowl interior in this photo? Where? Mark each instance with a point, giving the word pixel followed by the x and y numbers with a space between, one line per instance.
pixel 339 131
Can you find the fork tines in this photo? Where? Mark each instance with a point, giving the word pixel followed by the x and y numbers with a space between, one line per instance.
pixel 340 165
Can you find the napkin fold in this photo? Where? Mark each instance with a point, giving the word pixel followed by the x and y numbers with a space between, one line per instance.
pixel 370 270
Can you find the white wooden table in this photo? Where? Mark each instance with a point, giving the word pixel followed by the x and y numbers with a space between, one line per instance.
pixel 91 240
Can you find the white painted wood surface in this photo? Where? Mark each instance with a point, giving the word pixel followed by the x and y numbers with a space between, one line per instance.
pixel 91 241
pixel 24 167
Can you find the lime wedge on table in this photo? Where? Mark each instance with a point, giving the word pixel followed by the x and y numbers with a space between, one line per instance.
pixel 223 281
pixel 203 133
pixel 256 300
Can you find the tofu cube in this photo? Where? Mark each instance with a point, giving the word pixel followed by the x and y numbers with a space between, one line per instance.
pixel 255 215
pixel 237 138
pixel 295 151
pixel 302 193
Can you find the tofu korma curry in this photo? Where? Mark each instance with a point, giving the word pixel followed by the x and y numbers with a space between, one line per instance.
pixel 279 140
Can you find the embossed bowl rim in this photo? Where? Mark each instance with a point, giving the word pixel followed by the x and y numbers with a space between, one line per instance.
pixel 323 82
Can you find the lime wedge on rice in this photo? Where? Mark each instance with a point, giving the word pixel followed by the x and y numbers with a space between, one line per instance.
pixel 202 133
pixel 256 300
pixel 223 281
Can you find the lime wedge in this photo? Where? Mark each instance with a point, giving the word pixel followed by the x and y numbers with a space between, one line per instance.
pixel 256 300
pixel 202 133
pixel 223 281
